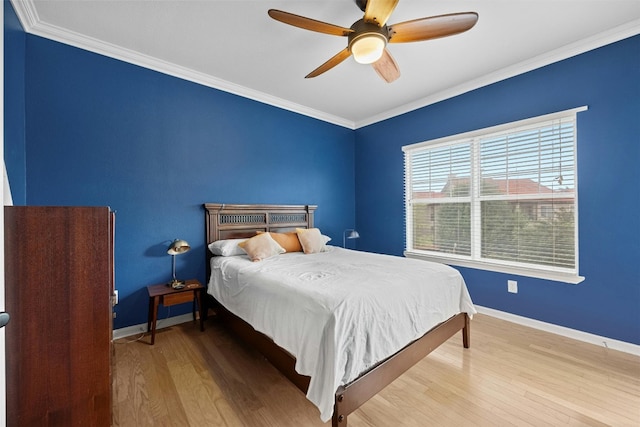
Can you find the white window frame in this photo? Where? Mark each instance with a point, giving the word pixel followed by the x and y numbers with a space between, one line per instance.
pixel 543 272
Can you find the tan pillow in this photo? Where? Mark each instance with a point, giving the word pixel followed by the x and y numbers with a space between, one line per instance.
pixel 261 246
pixel 289 241
pixel 311 240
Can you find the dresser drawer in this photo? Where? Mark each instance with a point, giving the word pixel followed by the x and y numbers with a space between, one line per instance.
pixel 178 298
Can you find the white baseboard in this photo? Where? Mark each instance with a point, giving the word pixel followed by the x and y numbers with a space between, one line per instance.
pixel 561 330
pixel 525 321
pixel 142 328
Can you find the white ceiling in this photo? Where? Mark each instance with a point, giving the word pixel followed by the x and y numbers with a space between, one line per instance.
pixel 234 46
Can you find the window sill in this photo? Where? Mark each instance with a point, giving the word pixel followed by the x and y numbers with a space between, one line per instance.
pixel 527 272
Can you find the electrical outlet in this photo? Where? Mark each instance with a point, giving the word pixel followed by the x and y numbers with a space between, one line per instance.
pixel 512 286
pixel 115 297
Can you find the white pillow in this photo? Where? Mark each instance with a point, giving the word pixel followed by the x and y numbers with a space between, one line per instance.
pixel 261 246
pixel 228 247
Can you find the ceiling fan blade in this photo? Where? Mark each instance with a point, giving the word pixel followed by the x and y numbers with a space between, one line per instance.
pixel 379 11
pixel 432 27
pixel 338 58
pixel 308 23
pixel 386 67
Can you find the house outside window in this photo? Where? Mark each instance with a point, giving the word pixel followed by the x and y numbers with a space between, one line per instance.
pixel 501 199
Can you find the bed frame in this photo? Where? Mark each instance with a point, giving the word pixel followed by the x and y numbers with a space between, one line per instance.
pixel 224 221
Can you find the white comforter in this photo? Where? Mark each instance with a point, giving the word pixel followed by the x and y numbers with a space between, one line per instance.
pixel 338 312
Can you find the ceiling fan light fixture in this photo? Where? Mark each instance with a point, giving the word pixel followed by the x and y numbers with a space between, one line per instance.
pixel 368 37
pixel 368 48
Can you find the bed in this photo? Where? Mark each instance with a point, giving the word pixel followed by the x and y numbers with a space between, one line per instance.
pixel 246 295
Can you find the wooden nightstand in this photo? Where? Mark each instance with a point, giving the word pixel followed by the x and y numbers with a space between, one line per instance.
pixel 167 296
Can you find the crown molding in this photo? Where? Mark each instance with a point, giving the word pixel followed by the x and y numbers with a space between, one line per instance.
pixel 611 36
pixel 28 16
pixel 26 11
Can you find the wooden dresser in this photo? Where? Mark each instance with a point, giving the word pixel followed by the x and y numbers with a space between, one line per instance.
pixel 58 287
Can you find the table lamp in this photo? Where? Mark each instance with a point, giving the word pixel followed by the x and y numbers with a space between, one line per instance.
pixel 177 247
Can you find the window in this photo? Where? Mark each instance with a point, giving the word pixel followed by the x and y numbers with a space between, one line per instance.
pixel 502 198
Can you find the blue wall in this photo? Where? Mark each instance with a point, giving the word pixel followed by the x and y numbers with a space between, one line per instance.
pixel 154 148
pixel 607 80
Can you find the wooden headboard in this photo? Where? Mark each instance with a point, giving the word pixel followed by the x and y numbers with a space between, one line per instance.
pixel 223 221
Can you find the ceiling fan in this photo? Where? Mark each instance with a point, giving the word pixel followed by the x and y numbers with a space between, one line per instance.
pixel 368 37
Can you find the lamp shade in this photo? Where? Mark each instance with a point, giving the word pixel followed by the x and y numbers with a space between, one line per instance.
pixel 353 235
pixel 178 246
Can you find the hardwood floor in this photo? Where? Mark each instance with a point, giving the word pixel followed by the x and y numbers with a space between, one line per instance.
pixel 511 375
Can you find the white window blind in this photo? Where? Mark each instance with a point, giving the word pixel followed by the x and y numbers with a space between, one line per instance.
pixel 502 197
